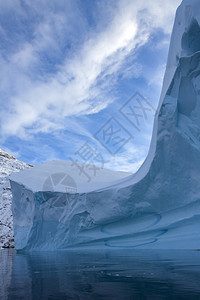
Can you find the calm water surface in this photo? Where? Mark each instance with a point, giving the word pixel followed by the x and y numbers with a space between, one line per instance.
pixel 118 274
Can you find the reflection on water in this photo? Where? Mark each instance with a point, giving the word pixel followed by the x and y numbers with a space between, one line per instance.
pixel 119 274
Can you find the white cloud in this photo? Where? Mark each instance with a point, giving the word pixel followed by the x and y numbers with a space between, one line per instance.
pixel 38 100
pixel 129 160
pixel 158 76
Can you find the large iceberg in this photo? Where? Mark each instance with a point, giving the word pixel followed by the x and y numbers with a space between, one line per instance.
pixel 157 207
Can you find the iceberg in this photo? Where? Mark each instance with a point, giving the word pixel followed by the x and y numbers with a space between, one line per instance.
pixel 158 207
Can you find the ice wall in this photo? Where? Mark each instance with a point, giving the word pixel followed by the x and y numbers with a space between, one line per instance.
pixel 159 206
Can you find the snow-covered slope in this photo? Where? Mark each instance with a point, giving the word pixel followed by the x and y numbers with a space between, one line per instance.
pixel 8 164
pixel 159 206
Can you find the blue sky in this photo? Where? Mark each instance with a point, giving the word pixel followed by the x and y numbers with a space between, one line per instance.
pixel 75 76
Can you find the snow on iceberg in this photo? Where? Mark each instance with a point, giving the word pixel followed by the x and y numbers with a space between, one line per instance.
pixel 157 207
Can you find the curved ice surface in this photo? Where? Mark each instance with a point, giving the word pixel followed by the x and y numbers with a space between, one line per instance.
pixel 67 176
pixel 159 206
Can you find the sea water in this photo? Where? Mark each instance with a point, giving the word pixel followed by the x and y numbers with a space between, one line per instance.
pixel 116 274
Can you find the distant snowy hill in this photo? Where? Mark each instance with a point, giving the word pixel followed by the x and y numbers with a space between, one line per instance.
pixel 8 165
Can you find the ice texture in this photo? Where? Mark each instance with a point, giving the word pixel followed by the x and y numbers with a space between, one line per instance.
pixel 158 206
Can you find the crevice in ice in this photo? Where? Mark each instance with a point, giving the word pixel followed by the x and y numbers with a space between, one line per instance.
pixel 191 38
pixel 187 96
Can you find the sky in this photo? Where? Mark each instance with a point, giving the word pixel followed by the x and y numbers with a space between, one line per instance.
pixel 81 80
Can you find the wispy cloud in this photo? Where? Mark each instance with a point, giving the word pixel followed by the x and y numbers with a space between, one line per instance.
pixel 46 78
